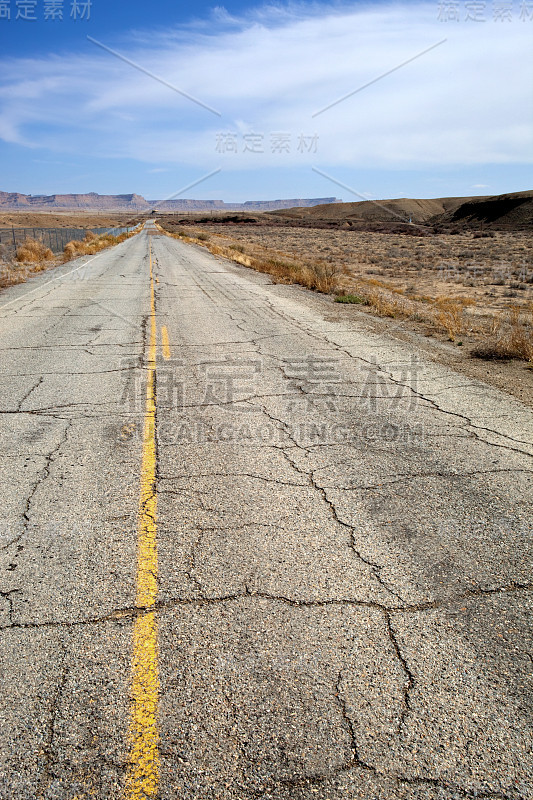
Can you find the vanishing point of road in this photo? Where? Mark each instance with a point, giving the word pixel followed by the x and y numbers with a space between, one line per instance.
pixel 250 548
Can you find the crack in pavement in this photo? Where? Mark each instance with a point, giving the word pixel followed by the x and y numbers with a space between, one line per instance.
pixel 42 477
pixel 321 491
pixel 470 425
pixel 409 684
pixel 355 761
pixel 29 392
pixel 192 561
pixel 193 477
pixel 7 596
pixel 378 368
pixel 130 613
pixel 47 750
pixel 413 477
pixel 80 347
pixel 46 409
pixel 70 372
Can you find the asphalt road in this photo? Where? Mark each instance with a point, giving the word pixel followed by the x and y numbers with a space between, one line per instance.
pixel 249 549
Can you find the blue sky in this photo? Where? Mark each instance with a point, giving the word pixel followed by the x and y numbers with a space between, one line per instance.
pixel 265 101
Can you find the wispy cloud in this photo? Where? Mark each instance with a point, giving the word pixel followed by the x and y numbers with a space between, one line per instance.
pixel 461 103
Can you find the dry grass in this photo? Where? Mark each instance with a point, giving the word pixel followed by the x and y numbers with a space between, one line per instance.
pixel 66 219
pixel 12 274
pixel 519 337
pixel 511 337
pixel 316 274
pixel 384 300
pixel 92 244
pixel 449 314
pixel 32 251
pixel 33 257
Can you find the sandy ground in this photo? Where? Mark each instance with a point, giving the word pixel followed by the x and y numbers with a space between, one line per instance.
pixel 24 219
pixel 494 272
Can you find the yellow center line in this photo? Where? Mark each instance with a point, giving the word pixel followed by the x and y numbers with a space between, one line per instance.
pixel 166 343
pixel 143 774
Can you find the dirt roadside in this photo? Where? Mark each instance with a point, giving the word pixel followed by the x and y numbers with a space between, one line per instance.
pixel 514 377
pixel 68 219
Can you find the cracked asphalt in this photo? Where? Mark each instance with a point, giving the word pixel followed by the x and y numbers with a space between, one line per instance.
pixel 343 545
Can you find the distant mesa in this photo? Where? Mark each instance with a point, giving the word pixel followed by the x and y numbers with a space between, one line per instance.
pixel 248 206
pixel 13 201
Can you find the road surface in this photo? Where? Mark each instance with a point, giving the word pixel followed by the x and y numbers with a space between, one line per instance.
pixel 251 550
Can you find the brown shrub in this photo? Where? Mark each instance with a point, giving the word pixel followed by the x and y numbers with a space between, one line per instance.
pixel 511 337
pixel 93 244
pixel 76 248
pixel 33 251
pixel 319 276
pixel 71 250
pixel 324 276
pixel 449 314
pixel 519 337
pixel 384 301
pixel 12 275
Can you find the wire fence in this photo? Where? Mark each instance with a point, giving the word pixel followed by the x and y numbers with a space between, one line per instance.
pixel 54 238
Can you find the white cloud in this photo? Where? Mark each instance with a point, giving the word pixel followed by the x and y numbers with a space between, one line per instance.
pixel 463 103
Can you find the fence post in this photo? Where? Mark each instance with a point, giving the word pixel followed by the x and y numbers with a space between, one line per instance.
pixel 14 240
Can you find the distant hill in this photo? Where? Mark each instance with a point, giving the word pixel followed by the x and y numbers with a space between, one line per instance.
pixel 13 201
pixel 381 210
pixel 505 212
